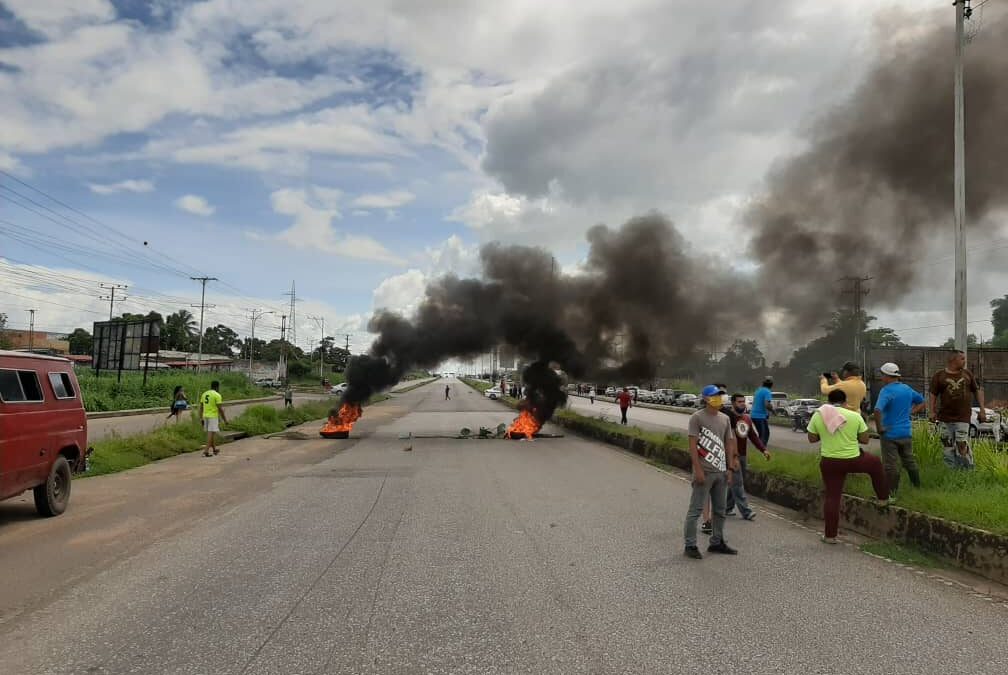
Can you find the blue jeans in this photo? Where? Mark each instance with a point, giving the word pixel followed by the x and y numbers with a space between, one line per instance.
pixel 763 429
pixel 715 484
pixel 736 491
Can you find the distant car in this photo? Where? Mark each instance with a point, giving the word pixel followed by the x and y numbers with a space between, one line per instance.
pixel 610 391
pixel 267 382
pixel 687 401
pixel 748 404
pixel 992 427
pixel 493 393
pixel 666 396
pixel 645 396
pixel 779 402
pixel 338 389
pixel 802 404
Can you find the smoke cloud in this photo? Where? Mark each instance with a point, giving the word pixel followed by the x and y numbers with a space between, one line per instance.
pixel 641 296
pixel 876 184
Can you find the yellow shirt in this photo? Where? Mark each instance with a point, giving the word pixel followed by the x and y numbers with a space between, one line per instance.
pixel 853 386
pixel 210 400
pixel 844 443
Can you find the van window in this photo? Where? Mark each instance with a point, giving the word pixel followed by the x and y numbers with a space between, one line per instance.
pixel 18 386
pixel 61 385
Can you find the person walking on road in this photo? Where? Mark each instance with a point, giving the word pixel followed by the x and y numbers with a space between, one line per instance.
pixel 712 453
pixel 840 432
pixel 212 412
pixel 447 393
pixel 893 409
pixel 288 397
pixel 849 381
pixel 591 395
pixel 625 401
pixel 180 403
pixel 950 401
pixel 745 433
pixel 761 410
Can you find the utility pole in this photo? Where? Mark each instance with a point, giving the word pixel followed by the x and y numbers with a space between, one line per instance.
pixel 858 292
pixel 963 12
pixel 293 313
pixel 254 316
pixel 111 297
pixel 282 367
pixel 202 309
pixel 31 329
pixel 320 322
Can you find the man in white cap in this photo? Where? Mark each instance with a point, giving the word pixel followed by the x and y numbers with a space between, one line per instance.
pixel 893 409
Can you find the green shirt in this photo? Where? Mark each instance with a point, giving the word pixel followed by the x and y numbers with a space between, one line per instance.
pixel 210 400
pixel 844 443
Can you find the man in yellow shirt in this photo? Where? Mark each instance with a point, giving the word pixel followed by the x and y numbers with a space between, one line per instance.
pixel 849 382
pixel 212 412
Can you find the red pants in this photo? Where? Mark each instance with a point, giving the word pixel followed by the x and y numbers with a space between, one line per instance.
pixel 834 473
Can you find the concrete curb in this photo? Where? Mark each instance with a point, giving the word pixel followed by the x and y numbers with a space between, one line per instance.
pixel 972 549
pixel 150 411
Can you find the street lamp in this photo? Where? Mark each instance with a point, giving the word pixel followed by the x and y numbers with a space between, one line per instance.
pixel 256 314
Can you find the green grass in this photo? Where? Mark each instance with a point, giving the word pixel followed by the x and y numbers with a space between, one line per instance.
pixel 105 393
pixel 403 390
pixel 903 554
pixel 977 498
pixel 478 385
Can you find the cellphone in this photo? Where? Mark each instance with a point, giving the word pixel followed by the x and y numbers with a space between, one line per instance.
pixel 827 375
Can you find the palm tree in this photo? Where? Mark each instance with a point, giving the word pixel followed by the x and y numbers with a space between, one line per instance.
pixel 179 330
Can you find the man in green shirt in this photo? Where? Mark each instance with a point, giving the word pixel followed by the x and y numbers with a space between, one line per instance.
pixel 841 433
pixel 212 412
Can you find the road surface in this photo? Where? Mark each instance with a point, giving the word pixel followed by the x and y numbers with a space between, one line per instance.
pixel 653 419
pixel 555 556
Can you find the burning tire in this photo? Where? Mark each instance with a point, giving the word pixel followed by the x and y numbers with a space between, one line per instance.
pixel 334 434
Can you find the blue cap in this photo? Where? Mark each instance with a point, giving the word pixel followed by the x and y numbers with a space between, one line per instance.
pixel 710 390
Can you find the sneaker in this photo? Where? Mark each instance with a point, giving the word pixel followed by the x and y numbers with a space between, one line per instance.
pixel 749 516
pixel 706 528
pixel 829 540
pixel 692 552
pixel 892 497
pixel 730 512
pixel 722 548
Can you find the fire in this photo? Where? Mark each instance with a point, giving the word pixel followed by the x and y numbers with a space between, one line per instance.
pixel 526 424
pixel 341 421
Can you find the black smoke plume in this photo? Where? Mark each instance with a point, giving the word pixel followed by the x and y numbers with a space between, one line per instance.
pixel 640 297
pixel 875 187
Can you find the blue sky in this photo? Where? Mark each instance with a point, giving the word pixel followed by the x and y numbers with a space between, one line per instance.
pixel 363 148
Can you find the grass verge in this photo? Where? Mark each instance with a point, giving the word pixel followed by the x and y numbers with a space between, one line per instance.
pixel 903 554
pixel 106 393
pixel 977 498
pixel 478 385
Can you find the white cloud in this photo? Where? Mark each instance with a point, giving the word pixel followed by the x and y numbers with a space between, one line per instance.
pixel 401 293
pixel 313 211
pixel 129 185
pixel 195 204
pixel 54 18
pixel 9 163
pixel 384 200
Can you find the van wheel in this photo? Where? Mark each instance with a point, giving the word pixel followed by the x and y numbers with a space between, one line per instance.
pixel 52 497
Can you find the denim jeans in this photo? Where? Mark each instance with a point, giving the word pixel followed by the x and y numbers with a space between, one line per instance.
pixel 763 429
pixel 736 490
pixel 715 484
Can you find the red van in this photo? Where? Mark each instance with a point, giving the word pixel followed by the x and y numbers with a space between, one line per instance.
pixel 43 429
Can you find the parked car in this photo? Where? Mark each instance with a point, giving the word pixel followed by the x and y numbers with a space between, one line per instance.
pixel 667 396
pixel 778 403
pixel 338 389
pixel 645 396
pixel 493 393
pixel 992 427
pixel 43 429
pixel 687 401
pixel 802 404
pixel 267 382
pixel 610 391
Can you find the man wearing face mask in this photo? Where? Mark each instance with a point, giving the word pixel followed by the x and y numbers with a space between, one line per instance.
pixel 712 451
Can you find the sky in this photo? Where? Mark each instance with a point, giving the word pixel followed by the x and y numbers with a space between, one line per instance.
pixel 360 149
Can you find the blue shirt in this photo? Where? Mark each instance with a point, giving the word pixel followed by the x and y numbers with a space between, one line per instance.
pixel 759 403
pixel 895 401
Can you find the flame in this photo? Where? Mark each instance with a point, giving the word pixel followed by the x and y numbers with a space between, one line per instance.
pixel 342 421
pixel 525 424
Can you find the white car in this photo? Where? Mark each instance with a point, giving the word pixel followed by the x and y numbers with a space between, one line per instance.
pixel 610 391
pixel 992 427
pixel 802 403
pixel 493 393
pixel 645 396
pixel 338 389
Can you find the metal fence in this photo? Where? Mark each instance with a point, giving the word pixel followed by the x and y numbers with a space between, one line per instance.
pixel 919 364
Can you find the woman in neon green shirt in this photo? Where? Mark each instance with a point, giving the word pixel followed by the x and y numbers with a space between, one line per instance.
pixel 841 433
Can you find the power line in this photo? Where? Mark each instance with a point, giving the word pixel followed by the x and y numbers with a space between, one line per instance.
pixel 112 288
pixel 203 281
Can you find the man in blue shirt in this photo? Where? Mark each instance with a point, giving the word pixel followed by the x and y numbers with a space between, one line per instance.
pixel 761 410
pixel 895 404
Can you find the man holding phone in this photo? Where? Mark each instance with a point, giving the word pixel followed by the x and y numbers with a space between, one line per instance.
pixel 849 382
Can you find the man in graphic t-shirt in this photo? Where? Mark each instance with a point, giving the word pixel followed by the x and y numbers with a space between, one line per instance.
pixel 950 402
pixel 212 412
pixel 712 450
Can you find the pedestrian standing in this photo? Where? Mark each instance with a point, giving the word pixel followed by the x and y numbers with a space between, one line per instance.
pixel 591 395
pixel 761 410
pixel 893 409
pixel 288 397
pixel 841 432
pixel 712 454
pixel 745 433
pixel 950 401
pixel 212 412
pixel 849 381
pixel 447 393
pixel 180 403
pixel 625 401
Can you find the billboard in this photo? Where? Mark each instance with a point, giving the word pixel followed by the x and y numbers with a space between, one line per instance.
pixel 125 345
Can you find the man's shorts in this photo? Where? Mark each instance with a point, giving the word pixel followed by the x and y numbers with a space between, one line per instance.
pixel 211 424
pixel 952 434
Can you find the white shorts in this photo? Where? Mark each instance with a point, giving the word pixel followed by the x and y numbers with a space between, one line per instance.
pixel 211 424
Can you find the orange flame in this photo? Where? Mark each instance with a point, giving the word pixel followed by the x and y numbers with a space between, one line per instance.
pixel 525 424
pixel 342 421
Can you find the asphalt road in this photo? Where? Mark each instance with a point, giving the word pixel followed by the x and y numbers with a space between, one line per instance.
pixel 652 419
pixel 555 556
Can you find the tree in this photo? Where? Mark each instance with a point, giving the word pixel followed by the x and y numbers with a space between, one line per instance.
pixel 999 317
pixel 179 330
pixel 257 349
pixel 5 343
pixel 220 339
pixel 743 364
pixel 274 348
pixel 882 338
pixel 971 341
pixel 298 368
pixel 80 341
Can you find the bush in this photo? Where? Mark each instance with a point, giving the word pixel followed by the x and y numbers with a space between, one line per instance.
pixel 105 393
